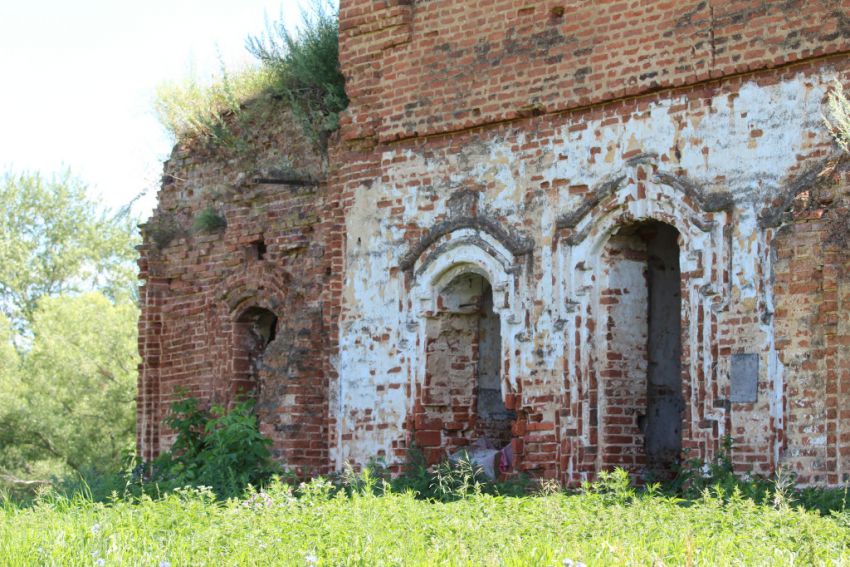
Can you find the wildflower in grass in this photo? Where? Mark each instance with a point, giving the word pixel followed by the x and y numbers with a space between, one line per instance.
pixel 100 562
pixel 258 500
pixel 164 563
pixel 311 559
pixel 571 563
pixel 95 529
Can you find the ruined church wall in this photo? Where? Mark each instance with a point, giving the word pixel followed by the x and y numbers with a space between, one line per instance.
pixel 197 284
pixel 423 67
pixel 811 268
pixel 714 160
pixel 514 138
pixel 512 141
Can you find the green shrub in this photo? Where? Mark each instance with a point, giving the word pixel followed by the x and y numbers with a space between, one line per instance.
pixel 694 476
pixel 823 500
pixel 458 479
pixel 217 448
pixel 209 220
pixel 445 482
pixel 415 476
pixel 305 70
pixel 614 487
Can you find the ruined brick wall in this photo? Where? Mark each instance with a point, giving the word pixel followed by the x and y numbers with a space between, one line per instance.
pixel 526 143
pixel 202 288
pixel 422 67
pixel 810 285
pixel 513 139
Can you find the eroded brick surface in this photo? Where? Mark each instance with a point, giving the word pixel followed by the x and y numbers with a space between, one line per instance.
pixel 521 143
pixel 199 288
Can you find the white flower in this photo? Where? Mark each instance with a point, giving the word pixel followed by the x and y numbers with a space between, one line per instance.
pixel 100 562
pixel 95 553
pixel 311 559
pixel 164 563
pixel 571 563
pixel 95 529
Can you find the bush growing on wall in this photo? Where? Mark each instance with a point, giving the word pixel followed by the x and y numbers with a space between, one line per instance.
pixel 301 67
pixel 305 70
pixel 209 220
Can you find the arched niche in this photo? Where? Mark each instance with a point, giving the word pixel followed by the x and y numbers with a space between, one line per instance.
pixel 466 285
pixel 254 329
pixel 640 394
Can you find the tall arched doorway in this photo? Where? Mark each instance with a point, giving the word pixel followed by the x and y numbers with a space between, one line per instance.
pixel 640 378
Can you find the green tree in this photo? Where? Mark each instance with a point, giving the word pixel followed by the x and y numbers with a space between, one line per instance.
pixel 55 240
pixel 68 357
pixel 9 380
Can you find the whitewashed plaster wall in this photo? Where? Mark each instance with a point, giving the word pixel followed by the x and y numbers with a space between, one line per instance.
pixel 745 143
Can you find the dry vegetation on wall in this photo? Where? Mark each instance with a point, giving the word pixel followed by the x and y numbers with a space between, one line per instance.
pixel 837 120
pixel 194 109
pixel 305 70
pixel 300 67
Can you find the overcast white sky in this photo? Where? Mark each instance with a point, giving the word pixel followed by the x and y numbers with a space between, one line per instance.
pixel 78 77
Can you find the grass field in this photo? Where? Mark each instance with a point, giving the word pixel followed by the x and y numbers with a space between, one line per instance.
pixel 319 526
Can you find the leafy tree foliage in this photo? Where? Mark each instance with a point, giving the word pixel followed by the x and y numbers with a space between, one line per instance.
pixel 305 69
pixel 55 240
pixel 68 353
pixel 77 382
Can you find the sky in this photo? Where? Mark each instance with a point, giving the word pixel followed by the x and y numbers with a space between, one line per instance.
pixel 79 76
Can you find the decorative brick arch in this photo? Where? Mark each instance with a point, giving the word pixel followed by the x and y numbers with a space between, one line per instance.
pixel 259 282
pixel 465 250
pixel 430 269
pixel 641 194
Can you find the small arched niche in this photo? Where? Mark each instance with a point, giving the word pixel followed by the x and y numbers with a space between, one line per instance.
pixel 461 401
pixel 254 331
